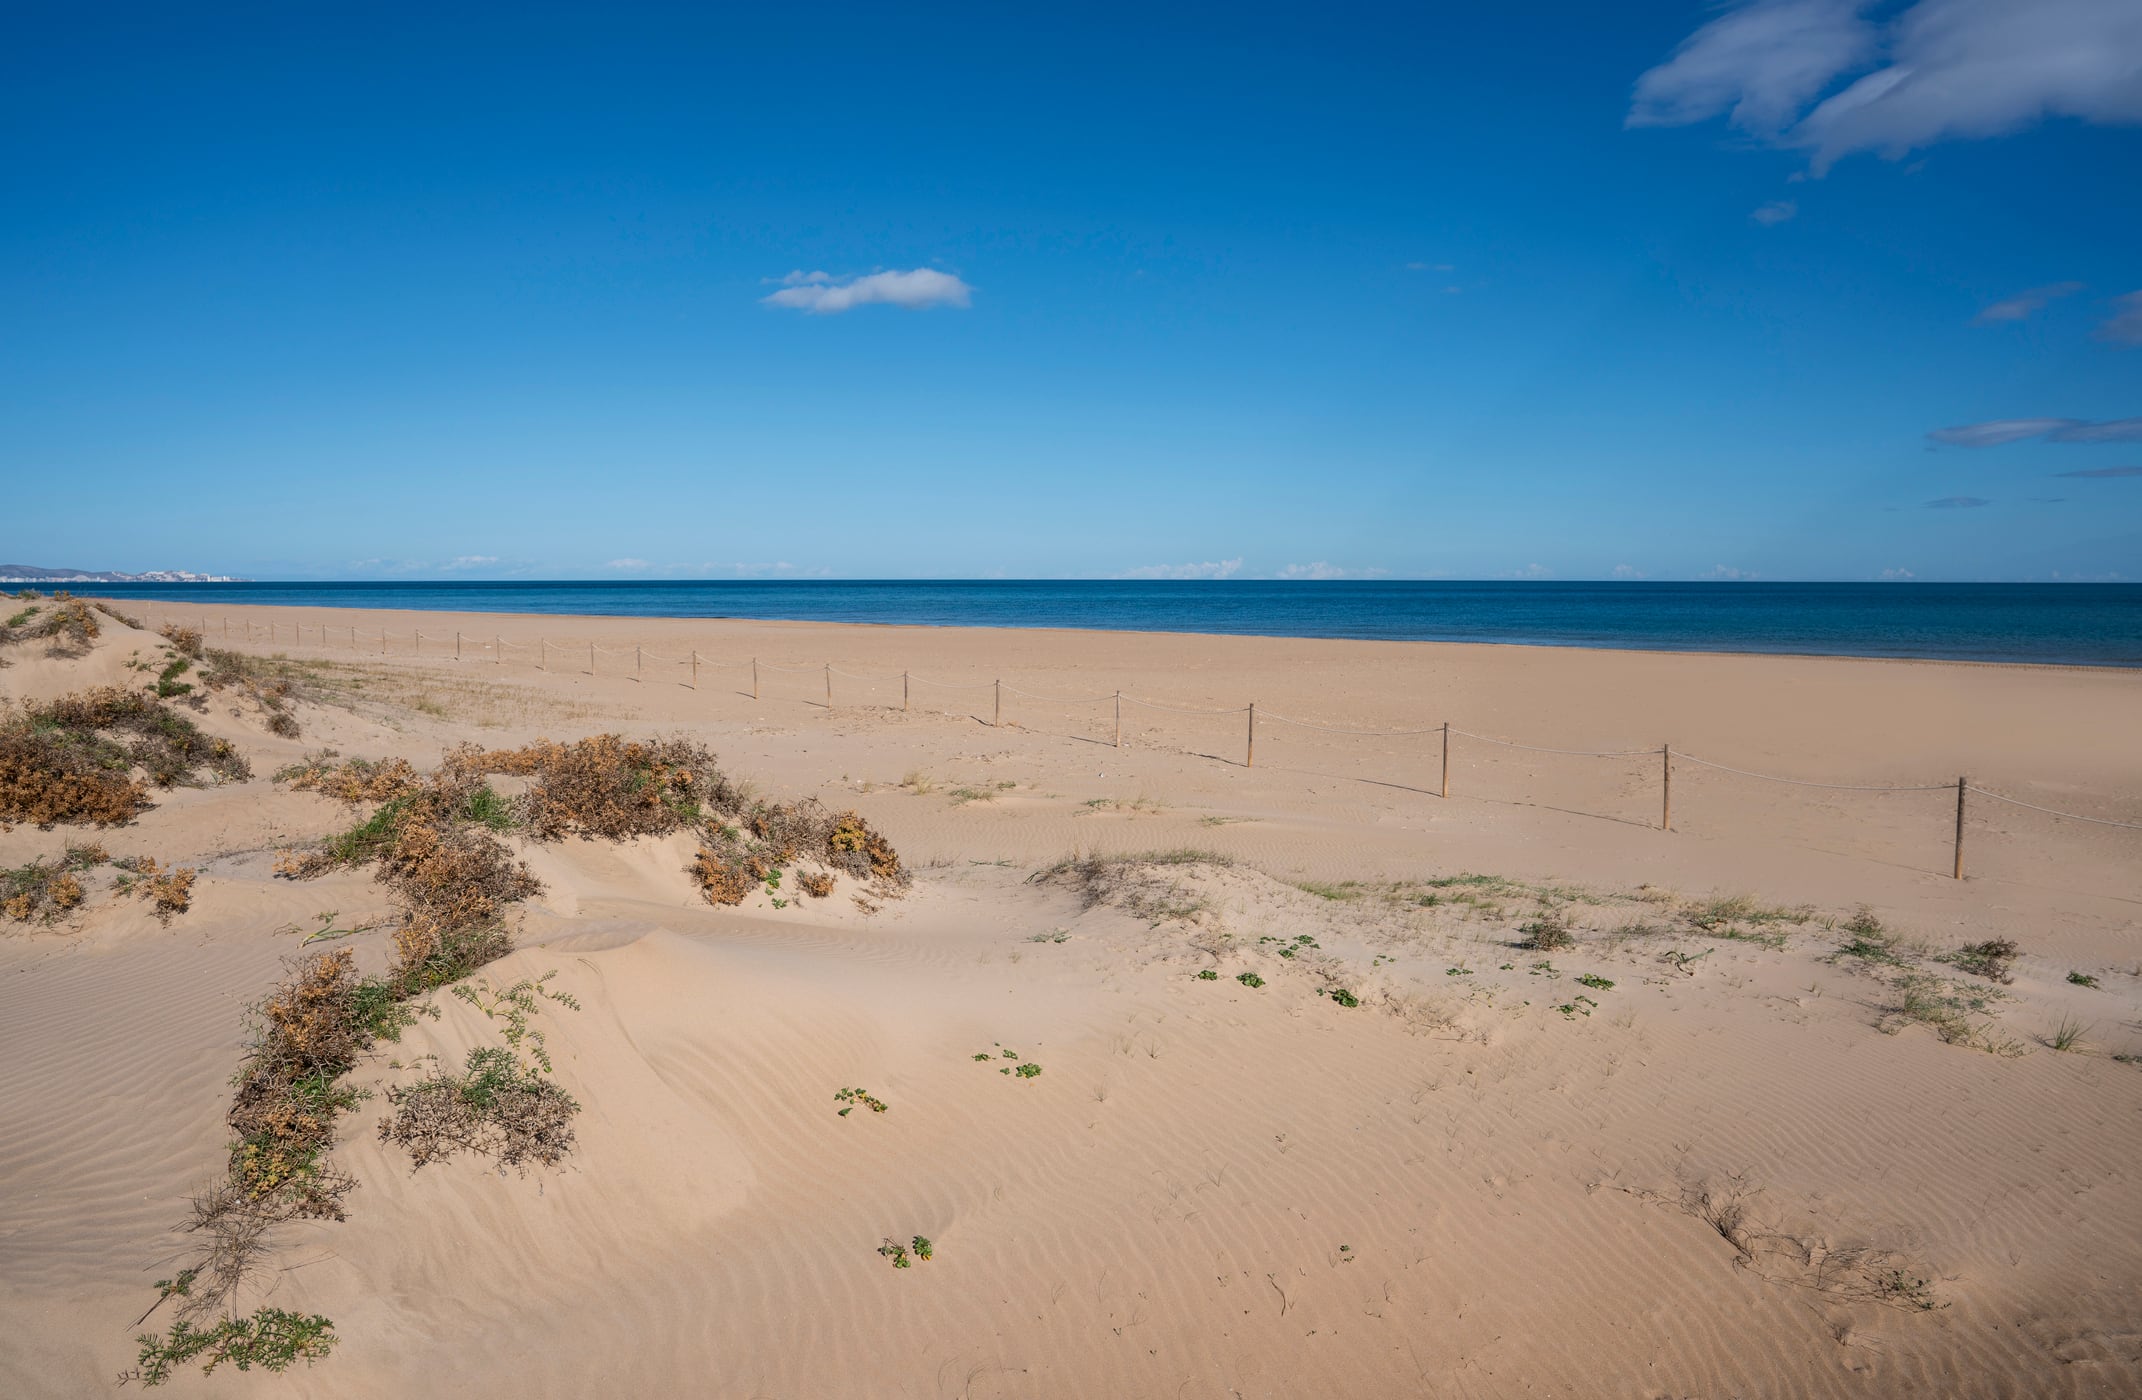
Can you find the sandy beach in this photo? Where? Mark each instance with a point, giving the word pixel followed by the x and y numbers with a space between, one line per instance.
pixel 1701 1148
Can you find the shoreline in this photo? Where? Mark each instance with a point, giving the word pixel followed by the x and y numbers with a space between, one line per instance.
pixel 2116 667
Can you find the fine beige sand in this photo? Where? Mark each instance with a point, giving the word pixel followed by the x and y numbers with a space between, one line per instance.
pixel 1706 1180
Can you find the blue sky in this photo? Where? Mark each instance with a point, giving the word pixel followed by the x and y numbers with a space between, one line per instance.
pixel 1792 289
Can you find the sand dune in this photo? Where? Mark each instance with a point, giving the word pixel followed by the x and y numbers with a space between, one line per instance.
pixel 1733 1171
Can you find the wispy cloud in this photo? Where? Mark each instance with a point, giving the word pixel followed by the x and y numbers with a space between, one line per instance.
pixel 1626 571
pixel 1898 575
pixel 1998 431
pixel 2103 473
pixel 1726 573
pixel 1777 211
pixel 1224 568
pixel 1529 571
pixel 1958 503
pixel 470 561
pixel 2124 326
pixel 2023 305
pixel 822 294
pixel 1321 570
pixel 628 564
pixel 1938 70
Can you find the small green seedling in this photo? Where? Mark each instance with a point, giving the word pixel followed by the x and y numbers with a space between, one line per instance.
pixel 924 1250
pixel 1596 982
pixel 897 1252
pixel 1581 1006
pixel 1208 975
pixel 1342 996
pixel 2082 979
pixel 1250 980
pixel 985 1058
pixel 1027 1070
pixel 1461 970
pixel 859 1098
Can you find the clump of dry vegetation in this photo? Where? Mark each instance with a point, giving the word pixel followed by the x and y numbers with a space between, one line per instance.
pixel 186 641
pixel 44 891
pixel 169 891
pixel 612 788
pixel 73 759
pixel 356 780
pixel 65 621
pixel 1993 960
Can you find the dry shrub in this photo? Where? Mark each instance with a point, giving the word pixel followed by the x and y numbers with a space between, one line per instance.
pixel 357 780
pixel 46 779
pixel 722 878
pixel 186 641
pixel 817 884
pixel 44 890
pixel 309 1031
pixel 121 729
pixel 607 786
pixel 431 952
pixel 862 852
pixel 497 1107
pixel 1547 933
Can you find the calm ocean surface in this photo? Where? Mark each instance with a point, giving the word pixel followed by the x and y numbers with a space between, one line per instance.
pixel 2085 624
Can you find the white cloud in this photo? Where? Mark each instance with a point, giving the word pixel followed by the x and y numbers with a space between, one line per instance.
pixel 1898 575
pixel 823 295
pixel 1529 571
pixel 2024 304
pixel 628 564
pixel 1777 211
pixel 1726 573
pixel 1939 70
pixel 2006 430
pixel 1321 570
pixel 2125 325
pixel 470 561
pixel 1626 571
pixel 1225 568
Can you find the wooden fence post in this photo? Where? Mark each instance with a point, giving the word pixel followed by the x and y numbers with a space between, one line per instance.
pixel 457 644
pixel 542 653
pixel 754 678
pixel 1446 758
pixel 416 646
pixel 903 692
pixel 638 667
pixel 1119 719
pixel 1249 756
pixel 498 651
pixel 829 685
pixel 1963 785
pixel 591 658
pixel 998 721
pixel 1665 787
pixel 695 668
pixel 382 641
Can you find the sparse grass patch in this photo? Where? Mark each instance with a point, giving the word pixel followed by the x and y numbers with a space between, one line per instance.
pixel 1992 960
pixel 2082 979
pixel 270 1338
pixel 2067 1035
pixel 1930 1002
pixel 1867 941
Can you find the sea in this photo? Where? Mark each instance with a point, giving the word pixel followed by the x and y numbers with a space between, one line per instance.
pixel 2082 624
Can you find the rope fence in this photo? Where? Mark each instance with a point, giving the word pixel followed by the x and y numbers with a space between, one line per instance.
pixel 353 639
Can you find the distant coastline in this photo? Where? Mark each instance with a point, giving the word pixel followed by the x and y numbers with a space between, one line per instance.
pixel 34 574
pixel 2084 624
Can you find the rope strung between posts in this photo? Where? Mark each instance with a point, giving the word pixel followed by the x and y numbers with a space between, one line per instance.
pixel 1180 710
pixel 1366 733
pixel 2071 816
pixel 1576 753
pixel 1060 699
pixel 1802 782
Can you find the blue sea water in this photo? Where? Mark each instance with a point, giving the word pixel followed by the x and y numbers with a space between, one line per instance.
pixel 2075 624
